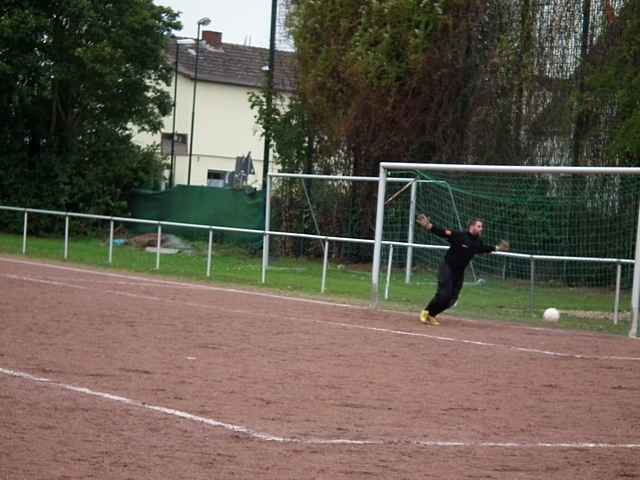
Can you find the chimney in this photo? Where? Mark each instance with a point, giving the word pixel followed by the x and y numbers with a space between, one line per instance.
pixel 212 38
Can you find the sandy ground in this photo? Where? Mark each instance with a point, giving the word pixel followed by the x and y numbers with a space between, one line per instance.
pixel 107 375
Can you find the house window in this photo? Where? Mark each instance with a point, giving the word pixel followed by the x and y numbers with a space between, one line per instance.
pixel 180 145
pixel 216 178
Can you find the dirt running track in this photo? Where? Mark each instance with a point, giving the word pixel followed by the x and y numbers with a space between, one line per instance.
pixel 110 376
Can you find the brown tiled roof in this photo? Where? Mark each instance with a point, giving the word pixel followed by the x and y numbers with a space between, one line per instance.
pixel 235 65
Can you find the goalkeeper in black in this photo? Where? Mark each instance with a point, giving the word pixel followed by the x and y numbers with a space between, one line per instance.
pixel 464 246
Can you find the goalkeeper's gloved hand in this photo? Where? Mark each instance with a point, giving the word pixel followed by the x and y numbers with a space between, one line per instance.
pixel 503 246
pixel 424 221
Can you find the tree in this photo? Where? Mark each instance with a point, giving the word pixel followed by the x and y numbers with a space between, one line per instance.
pixel 466 81
pixel 390 80
pixel 293 144
pixel 610 100
pixel 74 77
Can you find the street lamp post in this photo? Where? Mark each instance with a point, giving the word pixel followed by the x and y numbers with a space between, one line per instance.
pixel 173 129
pixel 202 22
pixel 172 177
pixel 269 94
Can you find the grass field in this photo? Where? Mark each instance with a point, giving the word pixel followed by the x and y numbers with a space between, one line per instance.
pixel 495 299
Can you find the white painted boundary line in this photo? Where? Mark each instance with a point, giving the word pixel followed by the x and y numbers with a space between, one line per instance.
pixel 179 284
pixel 482 344
pixel 168 411
pixel 255 434
pixel 249 314
pixel 196 286
pixel 142 282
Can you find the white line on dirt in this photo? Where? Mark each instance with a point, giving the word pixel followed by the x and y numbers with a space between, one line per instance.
pixel 255 434
pixel 249 313
pixel 195 286
pixel 180 284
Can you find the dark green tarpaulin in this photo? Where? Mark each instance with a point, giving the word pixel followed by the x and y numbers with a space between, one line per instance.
pixel 202 206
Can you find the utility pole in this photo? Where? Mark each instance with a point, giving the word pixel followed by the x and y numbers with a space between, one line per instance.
pixel 269 93
pixel 202 22
pixel 173 129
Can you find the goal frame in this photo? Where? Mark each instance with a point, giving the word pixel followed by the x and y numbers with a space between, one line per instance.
pixel 409 183
pixel 385 167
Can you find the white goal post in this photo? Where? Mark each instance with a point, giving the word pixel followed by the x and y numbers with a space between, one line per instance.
pixel 386 167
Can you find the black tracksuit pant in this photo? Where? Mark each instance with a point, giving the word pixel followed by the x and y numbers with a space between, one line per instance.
pixel 450 281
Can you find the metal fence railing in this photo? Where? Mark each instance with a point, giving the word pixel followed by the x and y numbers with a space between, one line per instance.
pixel 327 240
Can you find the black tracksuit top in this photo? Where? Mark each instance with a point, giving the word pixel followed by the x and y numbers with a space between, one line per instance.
pixel 463 247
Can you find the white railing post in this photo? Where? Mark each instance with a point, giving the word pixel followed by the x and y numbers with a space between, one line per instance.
pixel 325 264
pixel 267 226
pixel 24 232
pixel 377 249
pixel 635 291
pixel 158 245
pixel 210 248
pixel 110 242
pixel 616 305
pixel 532 281
pixel 411 234
pixel 66 237
pixel 389 264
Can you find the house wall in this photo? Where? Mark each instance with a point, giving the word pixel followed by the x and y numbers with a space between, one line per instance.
pixel 224 128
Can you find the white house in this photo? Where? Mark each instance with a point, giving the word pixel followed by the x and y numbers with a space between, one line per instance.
pixel 224 123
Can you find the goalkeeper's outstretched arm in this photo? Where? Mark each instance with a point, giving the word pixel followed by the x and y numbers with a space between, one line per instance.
pixel 425 222
pixel 448 234
pixel 503 246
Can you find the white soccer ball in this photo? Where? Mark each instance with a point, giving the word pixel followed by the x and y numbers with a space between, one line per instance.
pixel 551 315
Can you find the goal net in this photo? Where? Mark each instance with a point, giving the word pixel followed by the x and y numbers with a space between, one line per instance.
pixel 332 206
pixel 572 234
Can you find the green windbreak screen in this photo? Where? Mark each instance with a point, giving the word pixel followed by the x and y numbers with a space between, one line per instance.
pixel 202 206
